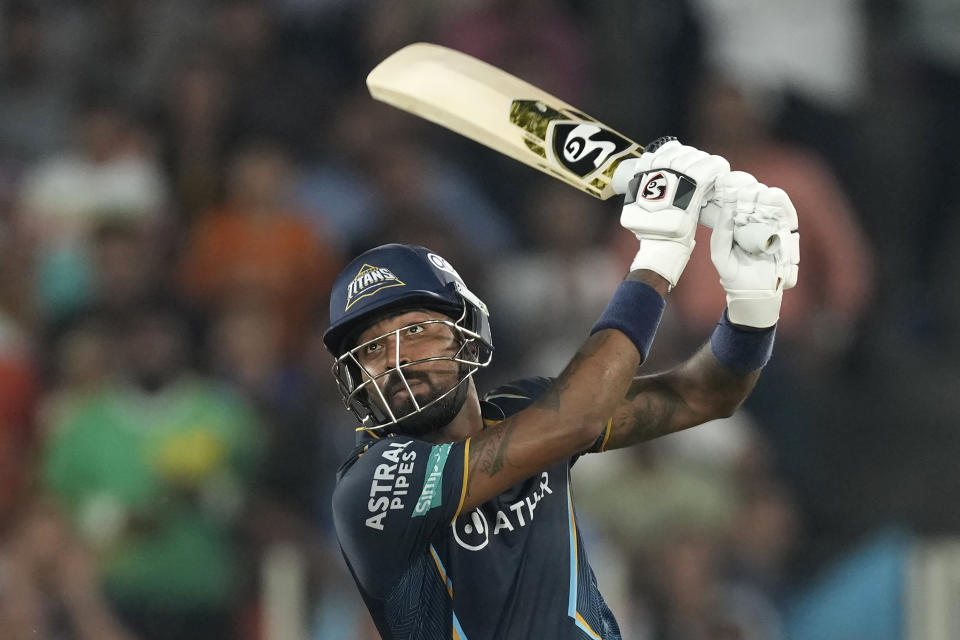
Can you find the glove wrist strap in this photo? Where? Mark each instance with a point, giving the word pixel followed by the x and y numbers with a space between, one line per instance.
pixel 758 309
pixel 666 257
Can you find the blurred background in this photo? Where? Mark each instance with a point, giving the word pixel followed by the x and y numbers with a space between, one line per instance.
pixel 180 182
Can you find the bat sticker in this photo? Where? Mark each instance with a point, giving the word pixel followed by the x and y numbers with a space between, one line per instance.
pixel 584 148
pixel 568 139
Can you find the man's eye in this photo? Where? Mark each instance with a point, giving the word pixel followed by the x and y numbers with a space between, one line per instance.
pixel 417 328
pixel 372 347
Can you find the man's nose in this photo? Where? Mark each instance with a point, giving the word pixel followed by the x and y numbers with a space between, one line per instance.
pixel 395 356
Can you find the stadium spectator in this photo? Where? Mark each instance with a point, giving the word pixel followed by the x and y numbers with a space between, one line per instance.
pixel 256 245
pixel 19 395
pixel 127 46
pixel 193 118
pixel 822 87
pixel 554 56
pixel 564 247
pixel 112 173
pixel 823 319
pixel 277 93
pixel 35 86
pixel 931 67
pixel 50 587
pixel 84 183
pixel 153 471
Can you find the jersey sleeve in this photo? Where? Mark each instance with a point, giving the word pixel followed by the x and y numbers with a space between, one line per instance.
pixel 513 397
pixel 516 396
pixel 394 500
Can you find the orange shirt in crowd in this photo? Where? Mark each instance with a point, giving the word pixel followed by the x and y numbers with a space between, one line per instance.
pixel 277 258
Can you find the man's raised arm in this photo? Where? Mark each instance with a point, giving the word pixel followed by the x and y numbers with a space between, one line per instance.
pixel 720 376
pixel 672 184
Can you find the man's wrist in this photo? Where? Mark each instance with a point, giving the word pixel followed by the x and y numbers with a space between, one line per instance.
pixel 635 310
pixel 742 348
pixel 660 284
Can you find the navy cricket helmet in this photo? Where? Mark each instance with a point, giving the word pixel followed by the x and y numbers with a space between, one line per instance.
pixel 390 279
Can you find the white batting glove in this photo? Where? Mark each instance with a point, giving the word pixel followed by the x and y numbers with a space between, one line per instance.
pixel 665 189
pixel 754 282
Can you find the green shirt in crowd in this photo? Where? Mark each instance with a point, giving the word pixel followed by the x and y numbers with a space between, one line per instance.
pixel 154 483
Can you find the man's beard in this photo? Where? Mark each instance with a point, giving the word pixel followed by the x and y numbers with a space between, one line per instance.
pixel 437 415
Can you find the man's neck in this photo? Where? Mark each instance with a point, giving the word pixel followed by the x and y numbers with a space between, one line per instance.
pixel 467 422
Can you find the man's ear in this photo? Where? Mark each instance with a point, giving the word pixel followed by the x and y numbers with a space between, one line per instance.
pixel 473 350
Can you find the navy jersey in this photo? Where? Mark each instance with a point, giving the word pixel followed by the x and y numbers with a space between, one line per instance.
pixel 513 568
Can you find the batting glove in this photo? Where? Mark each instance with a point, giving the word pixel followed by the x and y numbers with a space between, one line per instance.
pixel 665 189
pixel 754 282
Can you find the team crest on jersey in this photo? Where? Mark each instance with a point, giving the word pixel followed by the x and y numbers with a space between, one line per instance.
pixel 368 281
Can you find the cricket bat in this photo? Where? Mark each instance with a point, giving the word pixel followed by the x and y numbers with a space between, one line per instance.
pixel 507 114
pixel 503 112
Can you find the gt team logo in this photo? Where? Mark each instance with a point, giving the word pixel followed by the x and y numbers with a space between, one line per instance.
pixel 369 281
pixel 584 148
pixel 655 187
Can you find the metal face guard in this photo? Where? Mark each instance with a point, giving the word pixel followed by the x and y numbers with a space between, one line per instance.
pixel 365 399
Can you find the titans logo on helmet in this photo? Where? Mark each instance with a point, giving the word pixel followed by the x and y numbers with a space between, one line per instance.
pixel 368 281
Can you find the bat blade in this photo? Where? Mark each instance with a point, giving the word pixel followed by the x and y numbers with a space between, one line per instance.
pixel 503 112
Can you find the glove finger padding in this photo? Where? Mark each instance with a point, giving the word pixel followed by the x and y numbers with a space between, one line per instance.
pixel 746 206
pixel 673 155
pixel 789 257
pixel 762 229
pixel 721 239
pixel 754 282
pixel 790 274
pixel 774 207
pixel 752 234
pixel 728 188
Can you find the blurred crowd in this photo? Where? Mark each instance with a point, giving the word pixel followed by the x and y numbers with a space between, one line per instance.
pixel 180 182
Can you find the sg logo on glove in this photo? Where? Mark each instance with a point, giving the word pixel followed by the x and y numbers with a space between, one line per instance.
pixel 657 185
pixel 655 188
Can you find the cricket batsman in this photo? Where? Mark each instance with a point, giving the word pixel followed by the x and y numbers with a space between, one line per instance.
pixel 454 512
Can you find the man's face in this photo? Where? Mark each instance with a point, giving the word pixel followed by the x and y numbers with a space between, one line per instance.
pixel 156 349
pixel 427 381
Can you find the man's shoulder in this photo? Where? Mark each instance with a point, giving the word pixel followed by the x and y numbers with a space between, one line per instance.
pixel 366 456
pixel 393 499
pixel 510 398
pixel 393 470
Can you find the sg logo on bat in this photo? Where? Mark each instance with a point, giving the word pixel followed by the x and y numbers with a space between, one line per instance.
pixel 584 148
